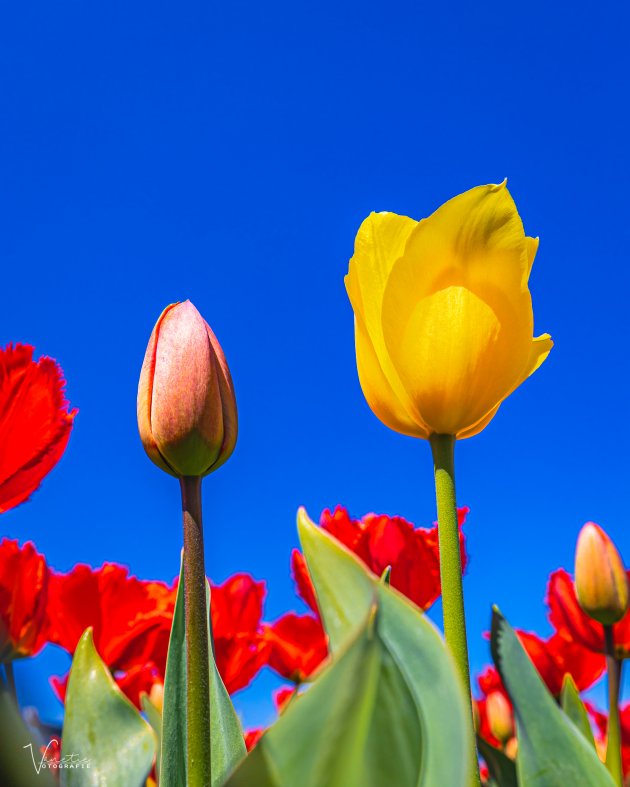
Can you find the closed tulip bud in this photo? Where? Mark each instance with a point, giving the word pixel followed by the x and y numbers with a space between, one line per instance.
pixel 601 583
pixel 499 716
pixel 186 406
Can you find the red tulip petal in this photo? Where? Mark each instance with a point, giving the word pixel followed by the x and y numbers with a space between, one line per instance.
pixel 35 423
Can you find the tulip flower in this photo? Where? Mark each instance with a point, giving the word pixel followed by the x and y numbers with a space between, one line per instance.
pixel 443 313
pixel 186 406
pixel 499 713
pixel 381 541
pixel 188 424
pixel 601 583
pixel 24 581
pixel 298 646
pixel 601 586
pixel 35 424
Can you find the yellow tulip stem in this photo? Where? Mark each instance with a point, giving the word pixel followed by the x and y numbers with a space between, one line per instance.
pixel 443 448
pixel 198 762
pixel 613 742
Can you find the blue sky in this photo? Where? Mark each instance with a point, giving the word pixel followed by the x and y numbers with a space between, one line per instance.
pixel 227 153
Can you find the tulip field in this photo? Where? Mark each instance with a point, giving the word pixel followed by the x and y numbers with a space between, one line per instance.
pixel 373 694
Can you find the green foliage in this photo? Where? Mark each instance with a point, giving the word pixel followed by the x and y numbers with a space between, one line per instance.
pixel 552 752
pixel 154 717
pixel 501 767
pixel 389 709
pixel 20 757
pixel 227 744
pixel 574 708
pixel 101 726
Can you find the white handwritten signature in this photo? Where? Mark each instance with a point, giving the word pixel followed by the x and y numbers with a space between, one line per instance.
pixel 67 761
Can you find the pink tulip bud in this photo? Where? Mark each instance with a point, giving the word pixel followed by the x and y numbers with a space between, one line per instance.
pixel 601 583
pixel 186 406
pixel 499 716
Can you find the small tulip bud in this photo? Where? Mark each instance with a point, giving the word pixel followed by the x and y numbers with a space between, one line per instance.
pixel 156 696
pixel 499 716
pixel 601 583
pixel 186 406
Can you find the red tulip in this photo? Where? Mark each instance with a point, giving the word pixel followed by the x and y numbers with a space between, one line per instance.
pixel 186 406
pixel 381 541
pixel 131 619
pixel 241 648
pixel 298 646
pixel 572 623
pixel 553 658
pixel 35 422
pixel 24 580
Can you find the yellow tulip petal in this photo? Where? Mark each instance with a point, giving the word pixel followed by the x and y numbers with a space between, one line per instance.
pixel 475 239
pixel 456 355
pixel 479 426
pixel 540 349
pixel 380 241
pixel 377 391
pixel 531 244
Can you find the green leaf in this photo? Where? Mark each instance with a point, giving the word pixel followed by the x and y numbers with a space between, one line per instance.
pixel 552 752
pixel 20 757
pixel 154 717
pixel 574 708
pixel 227 743
pixel 101 727
pixel 344 587
pixel 389 709
pixel 501 767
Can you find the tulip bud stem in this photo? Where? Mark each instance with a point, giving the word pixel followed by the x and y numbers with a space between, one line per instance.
pixel 443 448
pixel 197 654
pixel 613 743
pixel 10 676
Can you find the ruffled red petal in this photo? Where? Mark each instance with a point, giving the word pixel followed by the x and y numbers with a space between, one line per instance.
pixel 24 580
pixel 35 422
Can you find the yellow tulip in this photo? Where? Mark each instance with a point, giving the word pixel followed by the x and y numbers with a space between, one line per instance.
pixel 443 313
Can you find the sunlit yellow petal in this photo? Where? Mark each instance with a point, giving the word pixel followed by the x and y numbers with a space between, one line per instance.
pixel 540 348
pixel 531 245
pixel 444 313
pixel 378 393
pixel 380 241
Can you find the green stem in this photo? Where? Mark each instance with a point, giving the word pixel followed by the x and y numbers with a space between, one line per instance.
pixel 197 654
pixel 10 675
pixel 613 743
pixel 443 448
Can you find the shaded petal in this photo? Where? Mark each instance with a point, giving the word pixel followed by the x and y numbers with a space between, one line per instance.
pixel 458 356
pixel 379 394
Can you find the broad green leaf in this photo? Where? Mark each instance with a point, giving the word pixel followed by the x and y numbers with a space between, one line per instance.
pixel 573 706
pixel 343 596
pixel 501 767
pixel 345 590
pixel 227 743
pixel 154 717
pixel 388 710
pixel 357 725
pixel 552 752
pixel 21 761
pixel 102 728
